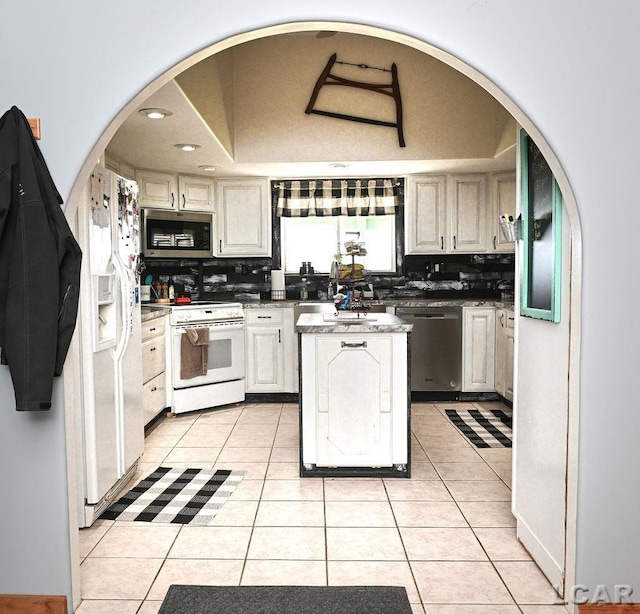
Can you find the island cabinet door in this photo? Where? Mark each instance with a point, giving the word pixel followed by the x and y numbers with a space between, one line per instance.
pixel 354 401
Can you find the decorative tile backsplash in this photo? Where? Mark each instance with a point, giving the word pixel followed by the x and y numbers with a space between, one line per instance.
pixel 461 276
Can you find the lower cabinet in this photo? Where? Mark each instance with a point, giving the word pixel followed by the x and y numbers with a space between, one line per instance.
pixel 154 379
pixel 504 353
pixel 354 401
pixel 478 349
pixel 269 347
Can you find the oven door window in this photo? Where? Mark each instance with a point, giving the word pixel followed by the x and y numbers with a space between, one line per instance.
pixel 225 357
pixel 220 354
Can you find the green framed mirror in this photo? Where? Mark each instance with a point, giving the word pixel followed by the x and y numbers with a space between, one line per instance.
pixel 541 235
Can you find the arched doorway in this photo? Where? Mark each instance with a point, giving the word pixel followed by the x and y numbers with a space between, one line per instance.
pixel 570 205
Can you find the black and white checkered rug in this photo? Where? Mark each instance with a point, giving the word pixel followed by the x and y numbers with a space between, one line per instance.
pixel 179 496
pixel 484 428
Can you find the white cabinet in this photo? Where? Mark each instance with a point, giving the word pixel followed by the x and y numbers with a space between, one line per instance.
pixel 446 214
pixel 425 214
pixel 157 190
pixel 154 380
pixel 160 190
pixel 244 217
pixel 504 353
pixel 478 349
pixel 468 213
pixel 354 400
pixel 269 345
pixel 196 193
pixel 503 201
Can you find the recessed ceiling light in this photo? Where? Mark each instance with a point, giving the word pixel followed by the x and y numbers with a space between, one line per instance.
pixel 207 167
pixel 155 113
pixel 187 146
pixel 338 165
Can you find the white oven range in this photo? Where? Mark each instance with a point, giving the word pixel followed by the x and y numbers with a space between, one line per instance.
pixel 223 381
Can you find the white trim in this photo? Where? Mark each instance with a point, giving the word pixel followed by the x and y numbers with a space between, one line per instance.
pixel 73 366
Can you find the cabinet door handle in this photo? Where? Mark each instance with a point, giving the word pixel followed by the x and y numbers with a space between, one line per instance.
pixel 264 317
pixel 442 243
pixel 454 241
pixel 152 349
pixel 346 344
pixel 495 239
pixel 220 245
pixel 154 389
pixel 279 336
pixel 184 201
pixel 152 329
pixel 173 199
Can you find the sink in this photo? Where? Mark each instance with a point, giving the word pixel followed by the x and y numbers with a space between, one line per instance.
pixel 328 309
pixel 350 317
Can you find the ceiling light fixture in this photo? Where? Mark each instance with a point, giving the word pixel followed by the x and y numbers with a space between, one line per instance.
pixel 207 167
pixel 187 146
pixel 338 165
pixel 155 113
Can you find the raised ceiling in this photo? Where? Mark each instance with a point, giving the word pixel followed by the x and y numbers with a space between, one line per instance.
pixel 245 107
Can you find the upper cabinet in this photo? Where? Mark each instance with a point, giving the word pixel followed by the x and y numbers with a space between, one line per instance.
pixel 196 193
pixel 243 217
pixel 425 214
pixel 468 213
pixel 503 202
pixel 160 190
pixel 449 214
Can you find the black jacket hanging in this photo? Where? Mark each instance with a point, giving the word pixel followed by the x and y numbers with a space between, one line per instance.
pixel 39 268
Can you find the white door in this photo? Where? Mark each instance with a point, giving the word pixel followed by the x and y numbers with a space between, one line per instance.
pixel 265 359
pixel 541 403
pixel 196 193
pixel 425 219
pixel 354 401
pixel 244 217
pixel 468 228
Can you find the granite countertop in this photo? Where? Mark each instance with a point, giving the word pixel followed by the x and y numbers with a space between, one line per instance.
pixel 347 323
pixel 151 312
pixel 406 302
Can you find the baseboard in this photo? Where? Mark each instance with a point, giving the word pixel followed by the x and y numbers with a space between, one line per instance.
pixel 609 608
pixel 33 604
pixel 543 558
pixel 271 397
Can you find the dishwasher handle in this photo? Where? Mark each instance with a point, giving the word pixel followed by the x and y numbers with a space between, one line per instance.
pixel 430 315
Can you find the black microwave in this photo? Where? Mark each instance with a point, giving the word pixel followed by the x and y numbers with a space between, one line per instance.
pixel 176 234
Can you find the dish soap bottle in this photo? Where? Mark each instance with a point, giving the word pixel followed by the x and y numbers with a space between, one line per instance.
pixel 304 292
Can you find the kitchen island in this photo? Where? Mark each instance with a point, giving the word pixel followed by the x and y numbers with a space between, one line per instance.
pixel 354 395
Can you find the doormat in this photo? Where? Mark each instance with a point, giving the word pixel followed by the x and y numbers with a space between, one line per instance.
pixel 184 599
pixel 178 496
pixel 484 428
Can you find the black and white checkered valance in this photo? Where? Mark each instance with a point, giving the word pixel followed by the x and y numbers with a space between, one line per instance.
pixel 328 197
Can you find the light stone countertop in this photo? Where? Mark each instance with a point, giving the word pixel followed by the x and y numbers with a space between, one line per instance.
pixel 151 312
pixel 400 302
pixel 347 323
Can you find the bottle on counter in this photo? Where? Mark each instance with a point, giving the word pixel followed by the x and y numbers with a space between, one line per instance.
pixel 304 291
pixel 330 293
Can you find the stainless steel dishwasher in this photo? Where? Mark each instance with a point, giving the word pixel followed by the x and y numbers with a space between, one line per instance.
pixel 436 347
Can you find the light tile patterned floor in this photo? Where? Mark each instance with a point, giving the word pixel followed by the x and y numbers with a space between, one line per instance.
pixel 446 534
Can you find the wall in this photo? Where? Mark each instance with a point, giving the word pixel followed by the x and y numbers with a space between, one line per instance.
pixel 569 67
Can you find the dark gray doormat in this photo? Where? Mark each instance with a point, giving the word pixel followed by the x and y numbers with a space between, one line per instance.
pixel 185 599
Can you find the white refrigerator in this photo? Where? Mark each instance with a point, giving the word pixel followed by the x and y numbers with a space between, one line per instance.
pixel 110 419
